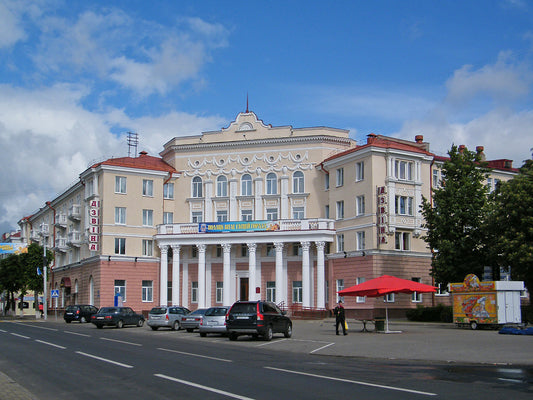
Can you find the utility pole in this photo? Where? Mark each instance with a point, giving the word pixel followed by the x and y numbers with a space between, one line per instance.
pixel 44 234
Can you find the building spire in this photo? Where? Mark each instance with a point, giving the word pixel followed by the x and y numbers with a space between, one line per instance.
pixel 247 111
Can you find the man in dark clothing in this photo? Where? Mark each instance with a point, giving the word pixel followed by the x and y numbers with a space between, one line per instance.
pixel 340 318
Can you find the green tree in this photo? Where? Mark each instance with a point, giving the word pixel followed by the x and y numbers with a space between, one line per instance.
pixel 454 217
pixel 11 279
pixel 510 225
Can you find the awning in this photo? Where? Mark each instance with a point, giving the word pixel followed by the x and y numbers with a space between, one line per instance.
pixel 65 282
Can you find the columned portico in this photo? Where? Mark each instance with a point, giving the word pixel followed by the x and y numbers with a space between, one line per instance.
pixel 201 275
pixel 164 276
pixel 252 269
pixel 175 274
pixel 306 276
pixel 279 272
pixel 227 274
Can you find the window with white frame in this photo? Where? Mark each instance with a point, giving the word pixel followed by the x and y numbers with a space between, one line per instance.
pixel 296 249
pixel 219 250
pixel 296 291
pixel 219 292
pixel 298 213
pixel 359 171
pixel 403 170
pixel 168 218
pixel 339 286
pixel 120 246
pixel 147 247
pixel 194 292
pixel 360 205
pixel 340 209
pixel 442 289
pixel 271 183
pixel 197 217
pixel 246 185
pixel 148 187
pixel 389 298
pixel 222 215
pixel 436 182
pixel 402 241
pixel 298 182
pixel 147 291
pixel 270 250
pixel 120 215
pixel 246 215
pixel 339 177
pixel 244 250
pixel 360 237
pixel 326 211
pixel 415 296
pixel 340 242
pixel 271 291
pixel 120 184
pixel 272 214
pixel 148 217
pixel 222 186
pixel 120 288
pixel 197 186
pixel 404 205
pixel 326 182
pixel 168 191
pixel 358 281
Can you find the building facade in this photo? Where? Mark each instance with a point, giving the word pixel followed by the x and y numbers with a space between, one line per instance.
pixel 252 211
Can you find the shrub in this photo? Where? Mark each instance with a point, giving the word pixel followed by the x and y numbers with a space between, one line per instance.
pixel 439 313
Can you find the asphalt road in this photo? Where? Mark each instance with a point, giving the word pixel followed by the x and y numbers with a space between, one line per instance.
pixel 54 361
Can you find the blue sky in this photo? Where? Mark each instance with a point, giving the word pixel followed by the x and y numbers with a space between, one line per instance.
pixel 75 76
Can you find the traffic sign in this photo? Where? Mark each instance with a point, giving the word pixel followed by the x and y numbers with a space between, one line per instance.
pixel 54 294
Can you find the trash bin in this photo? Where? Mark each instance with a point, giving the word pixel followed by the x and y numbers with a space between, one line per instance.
pixel 380 324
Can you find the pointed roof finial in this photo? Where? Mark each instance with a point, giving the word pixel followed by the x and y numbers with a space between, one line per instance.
pixel 247 103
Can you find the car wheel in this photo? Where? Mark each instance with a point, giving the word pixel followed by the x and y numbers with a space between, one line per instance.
pixel 233 336
pixel 190 330
pixel 176 326
pixel 120 324
pixel 473 325
pixel 82 320
pixel 288 331
pixel 140 323
pixel 154 328
pixel 268 334
pixel 203 334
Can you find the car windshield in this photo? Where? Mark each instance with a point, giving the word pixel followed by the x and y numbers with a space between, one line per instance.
pixel 71 308
pixel 108 310
pixel 215 311
pixel 244 308
pixel 158 310
pixel 198 312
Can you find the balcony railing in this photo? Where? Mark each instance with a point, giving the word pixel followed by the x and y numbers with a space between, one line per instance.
pixel 74 212
pixel 61 220
pixel 61 244
pixel 74 238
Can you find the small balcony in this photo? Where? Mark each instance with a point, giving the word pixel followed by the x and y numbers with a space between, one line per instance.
pixel 61 221
pixel 61 244
pixel 74 238
pixel 74 212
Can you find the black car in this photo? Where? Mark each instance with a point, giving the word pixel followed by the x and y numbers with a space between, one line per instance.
pixel 117 316
pixel 257 318
pixel 80 313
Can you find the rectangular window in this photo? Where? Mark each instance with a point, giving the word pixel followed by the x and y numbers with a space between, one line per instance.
pixel 219 292
pixel 197 217
pixel 271 291
pixel 298 213
pixel 148 187
pixel 270 250
pixel 415 296
pixel 219 250
pixel 244 250
pixel 147 247
pixel 340 242
pixel 404 205
pixel 194 292
pixel 296 249
pixel 435 182
pixel 340 209
pixel 359 171
pixel 120 288
pixel 340 177
pixel 360 205
pixel 358 281
pixel 148 217
pixel 120 184
pixel 246 215
pixel 442 290
pixel 120 246
pixel 326 211
pixel 168 191
pixel 360 245
pixel 389 298
pixel 168 218
pixel 339 287
pixel 402 241
pixel 297 291
pixel 147 291
pixel 120 215
pixel 272 214
pixel 403 170
pixel 222 216
pixel 194 252
pixel 326 182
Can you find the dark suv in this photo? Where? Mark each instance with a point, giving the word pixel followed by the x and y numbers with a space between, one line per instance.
pixel 80 312
pixel 257 318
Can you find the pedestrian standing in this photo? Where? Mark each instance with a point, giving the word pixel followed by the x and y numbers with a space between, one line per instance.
pixel 340 318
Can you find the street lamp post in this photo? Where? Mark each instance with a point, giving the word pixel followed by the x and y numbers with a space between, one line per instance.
pixel 45 294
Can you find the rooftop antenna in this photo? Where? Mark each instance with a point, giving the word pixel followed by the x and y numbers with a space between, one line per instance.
pixel 133 141
pixel 247 103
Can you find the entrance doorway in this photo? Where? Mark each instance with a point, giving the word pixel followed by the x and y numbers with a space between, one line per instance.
pixel 243 289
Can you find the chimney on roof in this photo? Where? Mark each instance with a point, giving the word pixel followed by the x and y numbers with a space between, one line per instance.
pixel 371 138
pixel 419 138
pixel 462 148
pixel 479 150
pixel 143 153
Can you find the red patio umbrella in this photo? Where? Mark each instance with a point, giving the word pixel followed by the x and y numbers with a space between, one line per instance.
pixel 384 285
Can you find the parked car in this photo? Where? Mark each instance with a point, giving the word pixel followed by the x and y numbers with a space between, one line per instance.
pixel 80 313
pixel 117 316
pixel 257 318
pixel 214 321
pixel 192 320
pixel 167 317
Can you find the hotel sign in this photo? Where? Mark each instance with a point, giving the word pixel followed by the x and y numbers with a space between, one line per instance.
pixel 237 226
pixel 94 225
pixel 382 214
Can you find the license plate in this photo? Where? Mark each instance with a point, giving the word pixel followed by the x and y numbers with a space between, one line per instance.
pixel 99 317
pixel 241 318
pixel 212 323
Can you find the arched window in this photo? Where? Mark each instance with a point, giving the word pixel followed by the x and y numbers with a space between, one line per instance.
pixel 222 186
pixel 197 187
pixel 272 183
pixel 246 185
pixel 298 182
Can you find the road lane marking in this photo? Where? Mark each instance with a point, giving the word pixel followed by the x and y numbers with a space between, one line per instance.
pixel 1 330
pixel 39 327
pixel 104 359
pixel 194 355
pixel 50 344
pixel 354 382
pixel 320 348
pixel 121 341
pixel 210 389
pixel 274 342
pixel 76 333
pixel 22 336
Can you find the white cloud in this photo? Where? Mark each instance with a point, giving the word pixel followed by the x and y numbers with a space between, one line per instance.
pixel 11 30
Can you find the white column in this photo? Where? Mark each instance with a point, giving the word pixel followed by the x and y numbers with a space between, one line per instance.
pixel 320 276
pixel 252 277
pixel 226 294
pixel 163 281
pixel 185 286
pixel 284 206
pixel 201 275
pixel 306 281
pixel 279 273
pixel 176 274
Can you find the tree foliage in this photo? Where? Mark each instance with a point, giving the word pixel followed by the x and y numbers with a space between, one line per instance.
pixel 454 217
